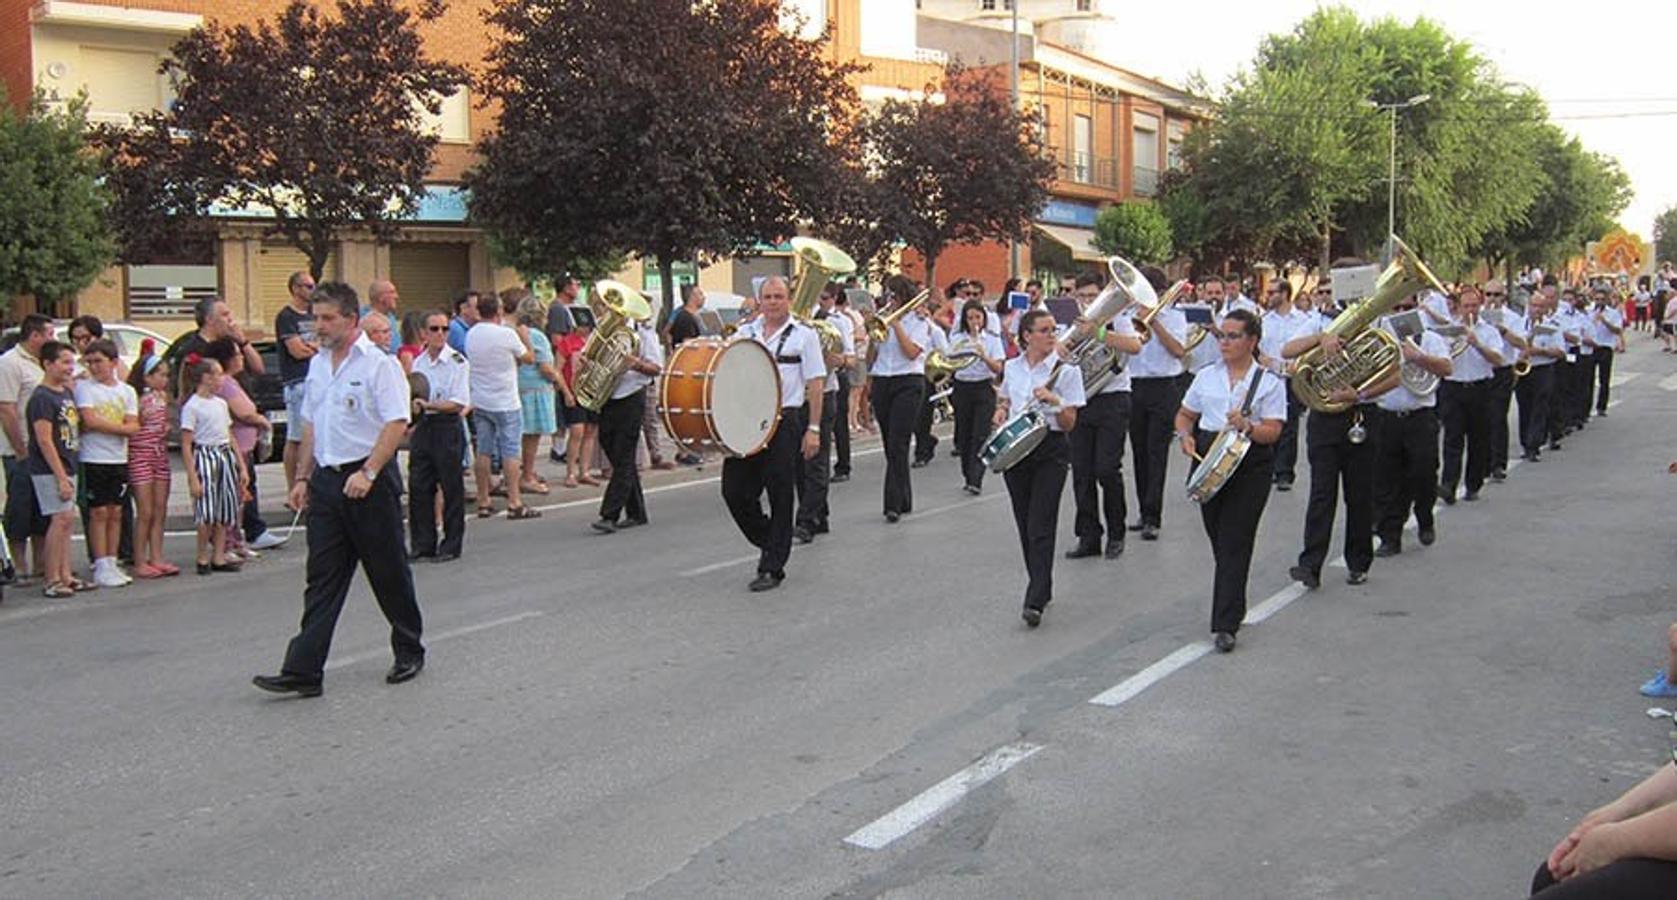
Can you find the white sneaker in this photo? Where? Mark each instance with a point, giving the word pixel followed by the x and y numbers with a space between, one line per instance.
pixel 267 540
pixel 104 576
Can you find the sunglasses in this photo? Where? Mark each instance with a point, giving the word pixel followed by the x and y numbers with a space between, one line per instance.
pixel 436 328
pixel 1496 294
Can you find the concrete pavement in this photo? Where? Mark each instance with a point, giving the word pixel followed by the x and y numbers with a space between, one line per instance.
pixel 603 716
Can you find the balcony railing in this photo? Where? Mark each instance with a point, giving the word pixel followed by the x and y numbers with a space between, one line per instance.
pixel 1085 168
pixel 1146 181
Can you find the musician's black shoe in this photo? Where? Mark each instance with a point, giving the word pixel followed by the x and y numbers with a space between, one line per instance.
pixel 1499 475
pixel 1032 617
pixel 287 684
pixel 1083 551
pixel 1114 549
pixel 1149 532
pixel 603 526
pixel 1471 496
pixel 1281 484
pixel 1137 526
pixel 1447 493
pixel 802 535
pixel 1428 535
pixel 1224 641
pixel 1388 548
pixel 919 464
pixel 893 516
pixel 765 581
pixel 1305 577
pixel 404 670
pixel 839 477
pixel 1355 577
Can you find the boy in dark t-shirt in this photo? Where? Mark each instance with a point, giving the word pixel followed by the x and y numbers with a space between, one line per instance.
pixel 54 434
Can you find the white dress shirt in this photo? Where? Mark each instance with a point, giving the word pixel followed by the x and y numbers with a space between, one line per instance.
pixel 1401 398
pixel 978 370
pixel 1240 301
pixel 1214 398
pixel 1020 379
pixel 847 344
pixel 797 352
pixel 449 376
pixel 1604 336
pixel 1279 328
pixel 1552 341
pixel 1121 324
pixel 1154 361
pixel 349 406
pixel 1439 306
pixel 652 350
pixel 891 360
pixel 1472 365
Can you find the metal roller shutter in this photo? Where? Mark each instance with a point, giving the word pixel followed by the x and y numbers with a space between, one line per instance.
pixel 429 275
pixel 278 262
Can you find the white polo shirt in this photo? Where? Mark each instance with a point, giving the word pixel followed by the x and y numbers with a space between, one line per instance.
pixel 1552 341
pixel 1604 336
pixel 797 352
pixel 652 350
pixel 1472 365
pixel 1154 361
pixel 1401 398
pixel 977 370
pixel 847 343
pixel 890 360
pixel 1214 398
pixel 349 406
pixel 449 376
pixel 1020 379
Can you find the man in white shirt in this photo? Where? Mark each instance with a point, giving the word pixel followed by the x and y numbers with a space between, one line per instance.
pixel 774 469
pixel 1507 324
pixel 355 411
pixel 1097 441
pixel 495 352
pixel 1406 444
pixel 816 473
pixel 622 420
pixel 1609 325
pixel 1544 349
pixel 20 374
pixel 1465 400
pixel 437 443
pixel 1156 388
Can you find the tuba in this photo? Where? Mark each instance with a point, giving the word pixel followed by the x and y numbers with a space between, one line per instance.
pixel 821 262
pixel 1098 362
pixel 942 365
pixel 1367 355
pixel 879 326
pixel 613 344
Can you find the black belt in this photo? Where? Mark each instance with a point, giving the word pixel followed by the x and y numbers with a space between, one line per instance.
pixel 1135 378
pixel 1406 413
pixel 1480 382
pixel 439 417
pixel 348 467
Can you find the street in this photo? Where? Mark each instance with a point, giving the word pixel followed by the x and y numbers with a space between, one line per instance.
pixel 603 716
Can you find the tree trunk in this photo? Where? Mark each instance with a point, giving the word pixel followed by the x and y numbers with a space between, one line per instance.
pixel 931 269
pixel 1326 258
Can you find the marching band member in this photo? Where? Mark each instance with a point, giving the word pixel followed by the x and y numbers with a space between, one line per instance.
pixel 1235 393
pixel 897 368
pixel 1286 317
pixel 1210 295
pixel 1536 389
pixel 803 376
pixel 1563 402
pixel 621 421
pixel 1406 444
pixel 1465 401
pixel 974 396
pixel 816 473
pixel 925 443
pixel 1034 483
pixel 1155 395
pixel 1238 300
pixel 1609 324
pixel 1584 372
pixel 1338 452
pixel 1502 377
pixel 437 443
pixel 1097 443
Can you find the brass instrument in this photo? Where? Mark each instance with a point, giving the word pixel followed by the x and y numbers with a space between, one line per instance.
pixel 879 326
pixel 1127 287
pixel 941 365
pixel 1367 355
pixel 821 263
pixel 613 345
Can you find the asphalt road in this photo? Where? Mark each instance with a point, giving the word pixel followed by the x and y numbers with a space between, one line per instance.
pixel 609 716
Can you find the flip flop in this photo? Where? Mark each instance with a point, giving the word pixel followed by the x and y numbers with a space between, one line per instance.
pixel 539 487
pixel 485 512
pixel 523 512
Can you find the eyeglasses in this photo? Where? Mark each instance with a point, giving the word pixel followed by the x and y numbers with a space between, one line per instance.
pixel 1230 335
pixel 1046 329
pixel 1496 293
pixel 436 328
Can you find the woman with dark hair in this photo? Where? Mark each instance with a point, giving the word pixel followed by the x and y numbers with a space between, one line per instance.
pixel 1037 378
pixel 974 394
pixel 248 427
pixel 897 367
pixel 1233 394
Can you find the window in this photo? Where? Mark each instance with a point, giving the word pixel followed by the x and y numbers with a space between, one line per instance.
pixel 1174 134
pixel 121 82
pixel 452 123
pixel 1145 155
pixel 1082 145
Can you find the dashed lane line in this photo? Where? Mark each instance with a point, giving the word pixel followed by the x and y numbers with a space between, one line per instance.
pixel 887 829
pixel 355 658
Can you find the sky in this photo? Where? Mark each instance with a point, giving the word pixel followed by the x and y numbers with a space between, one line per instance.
pixel 1595 61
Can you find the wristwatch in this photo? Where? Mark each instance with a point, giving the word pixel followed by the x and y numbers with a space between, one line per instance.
pixel 814 429
pixel 369 473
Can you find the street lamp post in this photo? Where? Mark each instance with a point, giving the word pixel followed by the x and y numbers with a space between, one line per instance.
pixel 1012 243
pixel 1391 165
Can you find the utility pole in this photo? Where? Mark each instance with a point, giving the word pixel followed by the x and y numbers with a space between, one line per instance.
pixel 1391 166
pixel 1012 243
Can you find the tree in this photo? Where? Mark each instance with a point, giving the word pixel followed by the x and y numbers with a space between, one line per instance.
pixel 1578 195
pixel 667 128
pixel 1665 235
pixel 960 165
pixel 311 120
pixel 54 237
pixel 1139 232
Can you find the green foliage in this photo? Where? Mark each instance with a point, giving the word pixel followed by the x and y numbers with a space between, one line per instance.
pixel 54 236
pixel 1139 232
pixel 1665 235
pixel 310 119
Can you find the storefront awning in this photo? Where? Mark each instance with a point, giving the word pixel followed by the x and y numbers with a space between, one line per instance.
pixel 1080 241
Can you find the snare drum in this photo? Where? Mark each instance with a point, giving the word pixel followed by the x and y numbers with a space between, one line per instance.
pixel 1014 440
pixel 1221 460
pixel 720 395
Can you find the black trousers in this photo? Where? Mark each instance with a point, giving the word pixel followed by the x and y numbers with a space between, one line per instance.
pixel 1563 401
pixel 896 404
pixel 342 533
pixel 434 464
pixel 1466 409
pixel 1405 470
pixel 1628 879
pixel 1231 522
pixel 1034 486
pixel 1603 377
pixel 925 443
pixel 1097 467
pixel 1536 394
pixel 1335 461
pixel 620 431
pixel 773 469
pixel 814 474
pixel 975 406
pixel 250 515
pixel 841 425
pixel 1287 447
pixel 1153 406
pixel 1502 394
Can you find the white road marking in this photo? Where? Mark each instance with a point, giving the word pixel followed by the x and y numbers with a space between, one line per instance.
pixel 713 479
pixel 1276 603
pixel 430 639
pixel 1620 378
pixel 882 832
pixel 1668 383
pixel 1153 674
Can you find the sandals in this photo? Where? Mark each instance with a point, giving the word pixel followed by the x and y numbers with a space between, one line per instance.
pixel 144 570
pixel 58 591
pixel 168 569
pixel 523 512
pixel 78 585
pixel 534 487
pixel 570 482
pixel 485 512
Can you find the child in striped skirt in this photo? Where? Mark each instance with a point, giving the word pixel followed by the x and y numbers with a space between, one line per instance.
pixel 213 469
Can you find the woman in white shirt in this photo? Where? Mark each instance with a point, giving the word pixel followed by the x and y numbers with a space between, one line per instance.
pixel 1035 483
pixel 974 395
pixel 1223 397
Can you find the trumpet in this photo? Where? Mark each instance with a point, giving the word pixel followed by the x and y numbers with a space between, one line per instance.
pixel 879 326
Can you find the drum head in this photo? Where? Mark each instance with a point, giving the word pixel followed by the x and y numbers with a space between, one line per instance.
pixel 744 397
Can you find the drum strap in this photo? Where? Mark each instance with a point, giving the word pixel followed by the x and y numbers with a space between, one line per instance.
pixel 779 348
pixel 1251 390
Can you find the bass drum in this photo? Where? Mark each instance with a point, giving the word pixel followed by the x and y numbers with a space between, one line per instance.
pixel 720 395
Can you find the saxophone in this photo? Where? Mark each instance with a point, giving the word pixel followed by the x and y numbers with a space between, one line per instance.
pixel 613 345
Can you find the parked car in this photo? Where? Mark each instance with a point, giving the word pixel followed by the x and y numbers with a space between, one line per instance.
pixel 127 337
pixel 266 390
